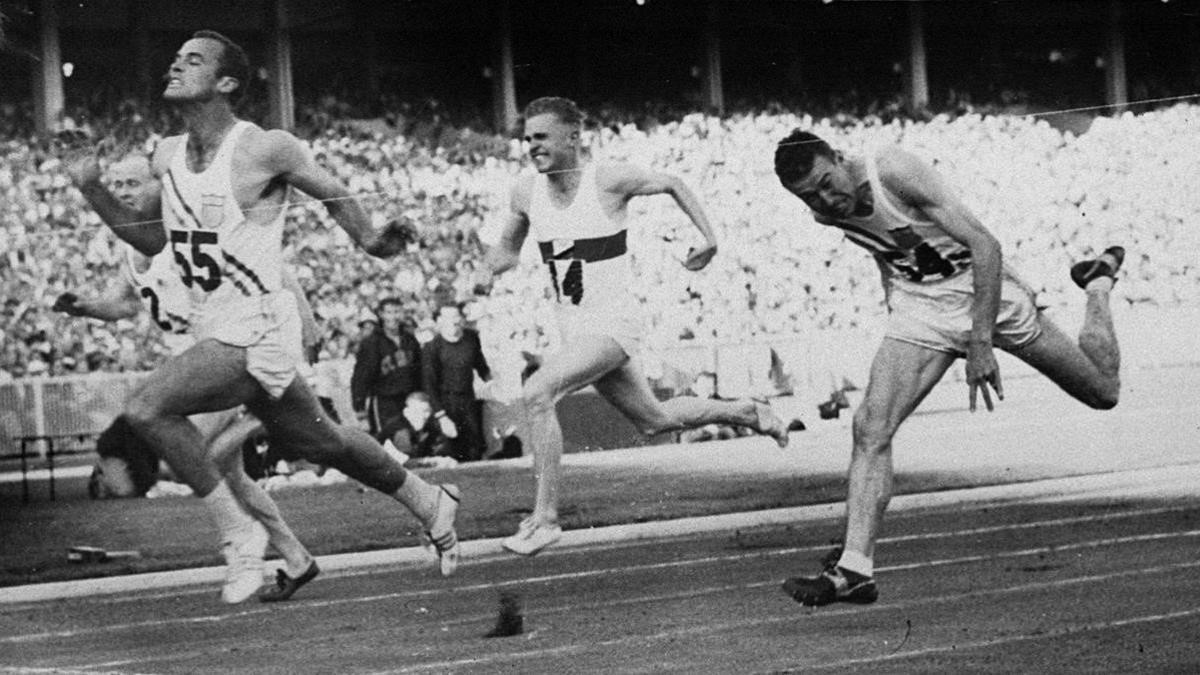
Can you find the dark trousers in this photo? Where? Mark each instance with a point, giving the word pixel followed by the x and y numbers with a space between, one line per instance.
pixel 384 415
pixel 467 414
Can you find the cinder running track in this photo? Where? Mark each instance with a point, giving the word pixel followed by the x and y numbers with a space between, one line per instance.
pixel 1083 573
pixel 1070 585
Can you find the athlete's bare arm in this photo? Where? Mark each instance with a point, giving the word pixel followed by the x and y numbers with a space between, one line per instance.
pixel 628 181
pixel 120 303
pixel 308 320
pixel 285 156
pixel 917 184
pixel 507 252
pixel 142 230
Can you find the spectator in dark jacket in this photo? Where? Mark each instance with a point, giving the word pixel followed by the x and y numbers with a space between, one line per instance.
pixel 449 363
pixel 387 368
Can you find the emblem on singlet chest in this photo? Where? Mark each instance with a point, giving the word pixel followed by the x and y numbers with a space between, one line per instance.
pixel 909 253
pixel 212 210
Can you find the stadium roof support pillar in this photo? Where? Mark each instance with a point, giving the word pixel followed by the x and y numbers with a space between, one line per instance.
pixel 714 89
pixel 282 113
pixel 364 27
pixel 917 72
pixel 504 83
pixel 141 47
pixel 1116 94
pixel 48 96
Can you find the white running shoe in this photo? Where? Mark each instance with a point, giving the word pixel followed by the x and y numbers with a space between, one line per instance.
pixel 244 559
pixel 532 538
pixel 441 534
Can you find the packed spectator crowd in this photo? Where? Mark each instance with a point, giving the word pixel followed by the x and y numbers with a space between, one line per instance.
pixel 1049 196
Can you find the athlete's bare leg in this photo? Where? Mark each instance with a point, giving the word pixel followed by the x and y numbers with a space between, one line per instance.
pixel 584 361
pixel 627 389
pixel 209 377
pixel 296 420
pixel 1089 370
pixel 602 361
pixel 902 374
pixel 225 451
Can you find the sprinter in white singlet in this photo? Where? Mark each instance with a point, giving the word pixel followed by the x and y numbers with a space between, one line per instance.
pixel 576 211
pixel 949 295
pixel 224 186
pixel 153 284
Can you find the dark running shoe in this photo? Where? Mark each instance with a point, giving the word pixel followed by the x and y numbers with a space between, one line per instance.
pixel 441 535
pixel 285 586
pixel 1084 272
pixel 834 584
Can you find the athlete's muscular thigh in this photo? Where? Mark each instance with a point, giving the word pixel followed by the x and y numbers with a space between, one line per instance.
pixel 296 422
pixel 573 367
pixel 214 424
pixel 1057 356
pixel 902 374
pixel 628 390
pixel 210 376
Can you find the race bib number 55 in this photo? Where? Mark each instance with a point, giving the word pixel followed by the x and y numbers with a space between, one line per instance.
pixel 198 257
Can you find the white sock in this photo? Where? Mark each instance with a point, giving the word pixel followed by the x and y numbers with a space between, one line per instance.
pixel 420 497
pixel 226 511
pixel 295 570
pixel 1100 284
pixel 857 563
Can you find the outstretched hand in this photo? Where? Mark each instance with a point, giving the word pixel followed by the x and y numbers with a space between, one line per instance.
pixel 699 257
pixel 983 372
pixel 391 240
pixel 75 149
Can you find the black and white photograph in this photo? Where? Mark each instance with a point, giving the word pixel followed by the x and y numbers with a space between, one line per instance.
pixel 599 336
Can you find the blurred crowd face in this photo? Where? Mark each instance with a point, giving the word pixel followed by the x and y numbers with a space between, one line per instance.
pixel 392 316
pixel 553 144
pixel 132 183
pixel 450 324
pixel 829 189
pixel 192 76
pixel 418 411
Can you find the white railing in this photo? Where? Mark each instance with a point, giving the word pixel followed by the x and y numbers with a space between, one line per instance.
pixel 806 365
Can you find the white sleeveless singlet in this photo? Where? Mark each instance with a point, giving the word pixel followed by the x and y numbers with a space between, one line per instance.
pixel 916 249
pixel 932 302
pixel 583 248
pixel 165 298
pixel 231 267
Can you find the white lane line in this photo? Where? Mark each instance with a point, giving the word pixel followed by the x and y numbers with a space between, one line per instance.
pixel 959 647
pixel 635 640
pixel 744 587
pixel 1073 520
pixel 1180 479
pixel 85 670
pixel 627 569
pixel 740 588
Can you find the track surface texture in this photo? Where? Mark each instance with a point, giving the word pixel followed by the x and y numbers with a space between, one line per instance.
pixel 1100 580
pixel 1069 585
